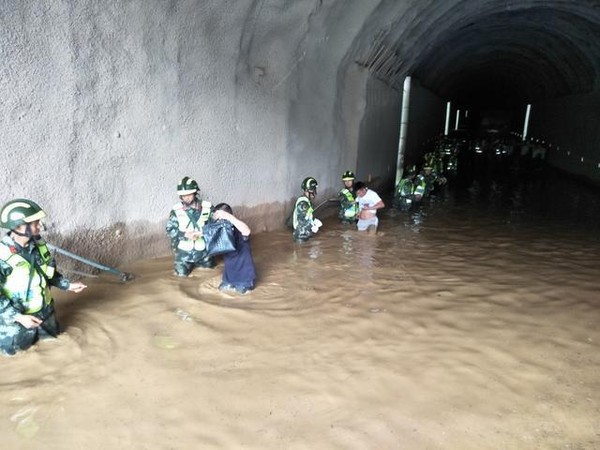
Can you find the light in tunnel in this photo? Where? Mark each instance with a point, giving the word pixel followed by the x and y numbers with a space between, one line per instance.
pixel 447 126
pixel 526 124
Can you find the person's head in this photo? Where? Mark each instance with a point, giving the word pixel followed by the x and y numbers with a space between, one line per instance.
pixel 22 217
pixel 187 189
pixel 348 178
pixel 411 171
pixel 360 188
pixel 309 186
pixel 224 207
pixel 427 170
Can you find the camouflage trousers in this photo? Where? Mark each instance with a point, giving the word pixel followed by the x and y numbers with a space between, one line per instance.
pixel 15 337
pixel 185 262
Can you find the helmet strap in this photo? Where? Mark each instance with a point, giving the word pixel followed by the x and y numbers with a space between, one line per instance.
pixel 194 200
pixel 28 234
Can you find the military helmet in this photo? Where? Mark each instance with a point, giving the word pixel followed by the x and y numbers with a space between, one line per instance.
pixel 309 184
pixel 348 176
pixel 20 211
pixel 187 186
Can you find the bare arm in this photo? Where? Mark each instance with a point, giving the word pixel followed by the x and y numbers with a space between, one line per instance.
pixel 377 205
pixel 241 226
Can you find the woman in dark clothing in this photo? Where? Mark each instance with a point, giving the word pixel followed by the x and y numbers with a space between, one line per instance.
pixel 239 272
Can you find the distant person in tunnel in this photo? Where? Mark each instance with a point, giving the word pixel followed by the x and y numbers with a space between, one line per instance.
pixel 184 228
pixel 27 271
pixel 368 204
pixel 239 272
pixel 348 212
pixel 430 180
pixel 409 191
pixel 305 225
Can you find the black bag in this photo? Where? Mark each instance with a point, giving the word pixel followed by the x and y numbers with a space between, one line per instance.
pixel 219 237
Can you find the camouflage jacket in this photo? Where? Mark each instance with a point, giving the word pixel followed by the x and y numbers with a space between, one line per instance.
pixel 11 307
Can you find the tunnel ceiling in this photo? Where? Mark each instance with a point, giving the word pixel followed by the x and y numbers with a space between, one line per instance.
pixel 494 53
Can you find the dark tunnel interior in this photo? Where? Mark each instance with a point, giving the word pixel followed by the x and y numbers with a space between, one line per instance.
pixel 494 56
pixel 507 59
pixel 492 59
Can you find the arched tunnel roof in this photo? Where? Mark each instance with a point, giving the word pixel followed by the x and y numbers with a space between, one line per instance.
pixel 495 53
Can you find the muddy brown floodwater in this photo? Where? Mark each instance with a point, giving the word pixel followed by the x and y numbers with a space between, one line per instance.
pixel 472 323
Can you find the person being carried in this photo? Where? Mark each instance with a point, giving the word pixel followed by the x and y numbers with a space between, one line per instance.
pixel 184 228
pixel 239 272
pixel 368 204
pixel 348 207
pixel 305 225
pixel 27 271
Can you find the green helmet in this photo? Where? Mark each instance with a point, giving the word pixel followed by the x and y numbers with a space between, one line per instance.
pixel 187 186
pixel 309 184
pixel 348 176
pixel 20 211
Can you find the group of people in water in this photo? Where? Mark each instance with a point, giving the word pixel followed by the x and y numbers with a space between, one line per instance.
pixel 28 269
pixel 358 204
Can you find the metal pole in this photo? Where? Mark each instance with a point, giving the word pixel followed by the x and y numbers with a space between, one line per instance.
pixel 124 276
pixel 403 128
pixel 457 119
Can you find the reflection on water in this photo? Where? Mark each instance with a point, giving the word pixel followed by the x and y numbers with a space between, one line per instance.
pixel 469 323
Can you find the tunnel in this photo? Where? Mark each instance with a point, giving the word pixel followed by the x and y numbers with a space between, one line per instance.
pixel 106 106
pixel 469 320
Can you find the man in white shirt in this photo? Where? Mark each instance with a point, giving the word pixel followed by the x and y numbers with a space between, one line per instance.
pixel 368 204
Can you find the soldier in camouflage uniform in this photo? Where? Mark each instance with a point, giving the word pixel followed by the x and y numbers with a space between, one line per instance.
pixel 27 271
pixel 305 225
pixel 409 191
pixel 348 212
pixel 184 228
pixel 430 177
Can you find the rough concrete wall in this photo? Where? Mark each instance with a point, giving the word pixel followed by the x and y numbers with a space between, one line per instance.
pixel 326 96
pixel 380 129
pixel 106 105
pixel 571 125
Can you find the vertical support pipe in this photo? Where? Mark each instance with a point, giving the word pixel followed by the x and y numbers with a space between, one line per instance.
pixel 526 125
pixel 403 128
pixel 457 119
pixel 447 126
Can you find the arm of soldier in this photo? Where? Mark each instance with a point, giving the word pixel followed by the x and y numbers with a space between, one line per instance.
pixel 61 282
pixel 172 229
pixel 302 212
pixel 344 203
pixel 305 223
pixel 377 205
